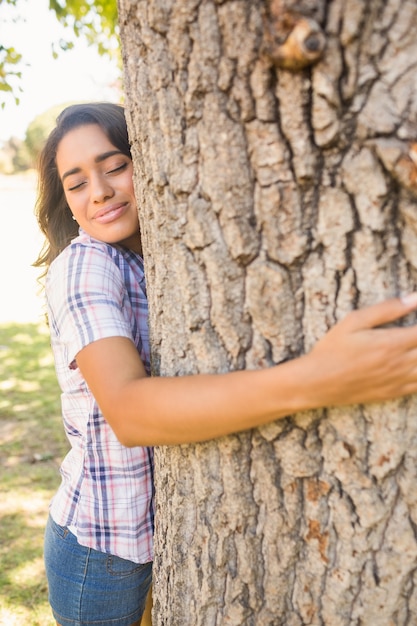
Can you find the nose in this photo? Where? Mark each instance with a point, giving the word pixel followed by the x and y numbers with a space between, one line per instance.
pixel 101 189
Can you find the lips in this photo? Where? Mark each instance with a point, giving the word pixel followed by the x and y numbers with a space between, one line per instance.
pixel 110 213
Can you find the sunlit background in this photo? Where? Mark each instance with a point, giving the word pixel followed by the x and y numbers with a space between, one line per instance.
pixel 79 74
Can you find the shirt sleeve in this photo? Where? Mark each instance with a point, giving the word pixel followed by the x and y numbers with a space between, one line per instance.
pixel 85 296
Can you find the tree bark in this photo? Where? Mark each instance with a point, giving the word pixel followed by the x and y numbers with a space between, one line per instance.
pixel 275 155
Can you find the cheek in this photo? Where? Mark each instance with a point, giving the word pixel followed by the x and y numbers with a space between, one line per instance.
pixel 70 204
pixel 76 208
pixel 128 183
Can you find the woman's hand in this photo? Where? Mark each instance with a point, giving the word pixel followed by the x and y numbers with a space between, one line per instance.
pixel 358 361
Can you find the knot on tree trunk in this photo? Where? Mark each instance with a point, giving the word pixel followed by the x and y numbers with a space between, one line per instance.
pixel 292 40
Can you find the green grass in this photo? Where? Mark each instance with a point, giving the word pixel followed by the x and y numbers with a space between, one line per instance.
pixel 32 444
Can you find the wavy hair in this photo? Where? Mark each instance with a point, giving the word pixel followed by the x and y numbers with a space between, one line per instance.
pixel 51 209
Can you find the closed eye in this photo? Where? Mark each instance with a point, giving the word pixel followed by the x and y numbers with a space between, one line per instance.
pixel 118 169
pixel 77 186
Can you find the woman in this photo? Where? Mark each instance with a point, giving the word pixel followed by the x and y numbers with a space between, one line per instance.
pixel 98 544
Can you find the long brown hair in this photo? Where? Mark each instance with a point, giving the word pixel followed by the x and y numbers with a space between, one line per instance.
pixel 52 211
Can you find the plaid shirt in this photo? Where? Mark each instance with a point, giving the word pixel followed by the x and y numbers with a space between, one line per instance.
pixel 95 290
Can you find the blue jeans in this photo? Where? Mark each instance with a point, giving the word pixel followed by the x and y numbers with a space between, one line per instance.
pixel 87 587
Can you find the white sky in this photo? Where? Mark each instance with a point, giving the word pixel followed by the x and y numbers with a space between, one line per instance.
pixel 78 74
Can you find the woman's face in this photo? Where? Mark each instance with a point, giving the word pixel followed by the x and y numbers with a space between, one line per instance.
pixel 98 184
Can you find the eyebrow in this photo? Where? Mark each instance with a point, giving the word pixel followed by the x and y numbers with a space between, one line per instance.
pixel 99 159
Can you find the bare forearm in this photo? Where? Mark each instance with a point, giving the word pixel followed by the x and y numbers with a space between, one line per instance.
pixel 198 408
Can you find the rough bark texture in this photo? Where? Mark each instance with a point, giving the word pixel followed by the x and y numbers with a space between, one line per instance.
pixel 273 201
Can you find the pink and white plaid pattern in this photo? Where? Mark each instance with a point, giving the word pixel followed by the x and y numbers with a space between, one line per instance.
pixel 95 290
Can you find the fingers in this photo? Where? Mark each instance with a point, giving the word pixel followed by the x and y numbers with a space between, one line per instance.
pixel 394 374
pixel 403 384
pixel 363 361
pixel 381 313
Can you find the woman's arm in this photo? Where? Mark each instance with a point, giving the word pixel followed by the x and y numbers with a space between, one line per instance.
pixel 355 362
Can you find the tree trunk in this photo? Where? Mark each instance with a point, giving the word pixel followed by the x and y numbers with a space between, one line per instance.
pixel 277 182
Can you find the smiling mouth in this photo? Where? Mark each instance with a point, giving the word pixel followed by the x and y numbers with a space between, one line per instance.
pixel 110 214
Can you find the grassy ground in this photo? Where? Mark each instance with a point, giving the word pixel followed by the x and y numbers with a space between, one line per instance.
pixel 32 444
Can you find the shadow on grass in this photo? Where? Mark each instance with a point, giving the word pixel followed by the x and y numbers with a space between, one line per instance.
pixel 30 412
pixel 32 444
pixel 24 594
